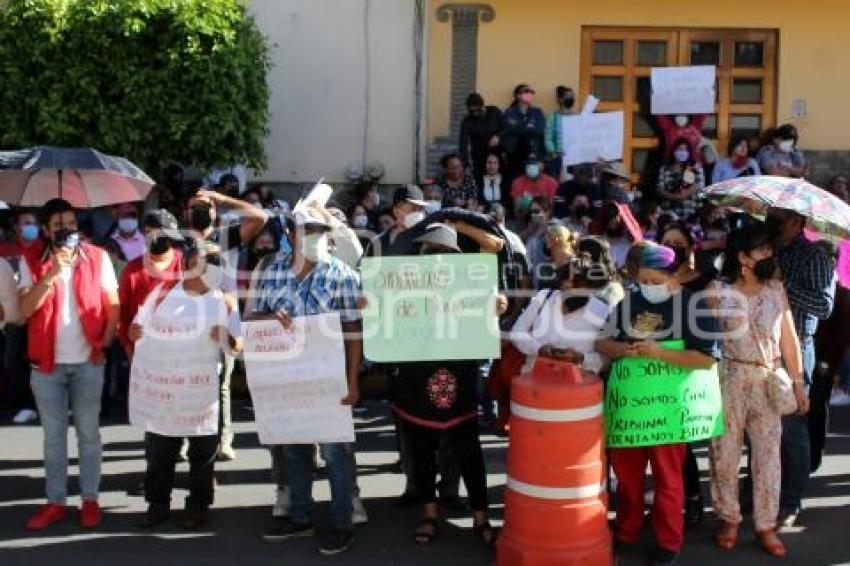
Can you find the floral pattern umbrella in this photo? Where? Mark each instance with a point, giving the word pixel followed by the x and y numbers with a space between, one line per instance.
pixel 828 215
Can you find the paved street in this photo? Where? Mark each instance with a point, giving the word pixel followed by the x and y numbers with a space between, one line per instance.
pixel 245 493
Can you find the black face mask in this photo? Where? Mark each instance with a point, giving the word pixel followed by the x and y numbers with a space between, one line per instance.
pixel 159 245
pixel 581 211
pixel 575 303
pixel 720 224
pixel 263 252
pixel 64 238
pixel 617 232
pixel 682 255
pixel 569 101
pixel 765 268
pixel 201 218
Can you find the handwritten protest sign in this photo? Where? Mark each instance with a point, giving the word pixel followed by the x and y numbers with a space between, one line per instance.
pixel 684 90
pixel 649 402
pixel 171 398
pixel 589 138
pixel 438 307
pixel 297 379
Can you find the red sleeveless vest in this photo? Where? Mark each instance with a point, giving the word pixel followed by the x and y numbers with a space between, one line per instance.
pixel 92 304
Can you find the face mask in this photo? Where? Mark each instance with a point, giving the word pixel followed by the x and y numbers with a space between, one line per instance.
pixel 433 206
pixel 655 294
pixel 360 221
pixel 682 155
pixel 29 232
pixel 128 225
pixel 765 268
pixel 581 211
pixel 314 246
pixel 532 171
pixel 569 101
pixel 682 120
pixel 201 218
pixel 69 239
pixel 536 218
pixel 159 245
pixel 413 219
pixel 682 255
pixel 786 146
pixel 616 232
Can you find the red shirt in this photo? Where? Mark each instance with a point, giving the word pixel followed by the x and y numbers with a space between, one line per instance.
pixel 136 283
pixel 543 186
pixel 692 133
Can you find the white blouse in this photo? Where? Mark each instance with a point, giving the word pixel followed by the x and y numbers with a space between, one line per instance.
pixel 577 330
pixel 492 188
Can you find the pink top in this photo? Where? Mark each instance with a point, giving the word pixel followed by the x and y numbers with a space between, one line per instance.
pixel 133 247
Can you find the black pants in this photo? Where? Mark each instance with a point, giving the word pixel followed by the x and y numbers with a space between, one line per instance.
pixel 18 391
pixel 161 455
pixel 446 462
pixel 462 440
pixel 690 473
pixel 819 394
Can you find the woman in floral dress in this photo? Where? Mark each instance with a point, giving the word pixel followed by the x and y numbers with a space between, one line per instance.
pixel 758 338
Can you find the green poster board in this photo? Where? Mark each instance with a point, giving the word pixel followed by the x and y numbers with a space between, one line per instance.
pixel 436 307
pixel 649 402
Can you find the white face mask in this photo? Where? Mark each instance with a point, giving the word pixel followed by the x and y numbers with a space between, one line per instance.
pixel 682 155
pixel 360 221
pixel 128 225
pixel 682 120
pixel 314 247
pixel 532 171
pixel 655 294
pixel 787 146
pixel 413 219
pixel 433 206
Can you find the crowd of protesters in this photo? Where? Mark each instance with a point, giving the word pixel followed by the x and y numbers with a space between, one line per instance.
pixel 576 242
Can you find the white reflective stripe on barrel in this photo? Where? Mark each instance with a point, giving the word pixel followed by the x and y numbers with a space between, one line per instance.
pixel 542 492
pixel 556 415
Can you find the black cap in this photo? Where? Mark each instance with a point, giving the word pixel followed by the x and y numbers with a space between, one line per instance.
pixel 411 194
pixel 165 221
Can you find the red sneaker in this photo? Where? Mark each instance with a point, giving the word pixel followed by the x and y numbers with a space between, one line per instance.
pixel 47 516
pixel 90 515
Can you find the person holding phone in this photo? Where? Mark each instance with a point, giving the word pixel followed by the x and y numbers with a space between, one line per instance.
pixel 661 310
pixel 69 293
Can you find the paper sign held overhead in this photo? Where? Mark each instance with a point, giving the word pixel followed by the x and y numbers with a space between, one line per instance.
pixel 589 138
pixel 684 90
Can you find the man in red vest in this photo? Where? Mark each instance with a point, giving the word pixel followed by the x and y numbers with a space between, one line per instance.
pixel 69 296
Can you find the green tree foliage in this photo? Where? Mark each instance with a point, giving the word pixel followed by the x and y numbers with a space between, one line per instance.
pixel 153 80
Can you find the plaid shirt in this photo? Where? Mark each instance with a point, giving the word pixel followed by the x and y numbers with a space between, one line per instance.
pixel 670 180
pixel 810 283
pixel 332 286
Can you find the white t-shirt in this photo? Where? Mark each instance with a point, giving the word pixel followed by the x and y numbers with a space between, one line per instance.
pixel 71 344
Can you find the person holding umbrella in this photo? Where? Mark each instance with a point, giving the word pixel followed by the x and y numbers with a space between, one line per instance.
pixel 69 292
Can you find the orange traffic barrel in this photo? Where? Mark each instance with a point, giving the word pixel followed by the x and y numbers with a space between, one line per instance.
pixel 556 506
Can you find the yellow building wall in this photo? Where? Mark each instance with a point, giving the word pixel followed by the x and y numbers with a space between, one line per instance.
pixel 539 42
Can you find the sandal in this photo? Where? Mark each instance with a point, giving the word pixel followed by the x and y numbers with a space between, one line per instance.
pixel 486 533
pixel 727 536
pixel 427 532
pixel 771 543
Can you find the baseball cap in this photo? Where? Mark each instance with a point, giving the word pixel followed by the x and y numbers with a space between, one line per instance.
pixel 165 221
pixel 411 194
pixel 439 235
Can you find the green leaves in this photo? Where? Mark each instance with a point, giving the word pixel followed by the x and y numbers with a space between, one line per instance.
pixel 155 80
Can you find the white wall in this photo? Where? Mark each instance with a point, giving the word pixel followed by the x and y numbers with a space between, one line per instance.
pixel 319 87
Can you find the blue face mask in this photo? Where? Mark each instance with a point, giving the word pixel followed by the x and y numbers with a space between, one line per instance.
pixel 29 232
pixel 285 246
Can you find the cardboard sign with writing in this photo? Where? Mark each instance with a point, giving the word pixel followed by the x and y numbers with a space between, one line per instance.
pixel 297 379
pixel 174 388
pixel 649 403
pixel 684 90
pixel 437 307
pixel 589 138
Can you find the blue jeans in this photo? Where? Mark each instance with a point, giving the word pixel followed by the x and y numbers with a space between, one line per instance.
pixel 299 469
pixel 280 478
pixel 76 387
pixel 796 444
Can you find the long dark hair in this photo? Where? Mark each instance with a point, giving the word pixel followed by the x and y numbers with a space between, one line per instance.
pixel 743 240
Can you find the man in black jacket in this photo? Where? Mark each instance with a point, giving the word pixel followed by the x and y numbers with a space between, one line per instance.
pixel 479 132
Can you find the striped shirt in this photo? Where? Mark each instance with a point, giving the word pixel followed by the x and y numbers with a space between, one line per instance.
pixel 810 283
pixel 331 286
